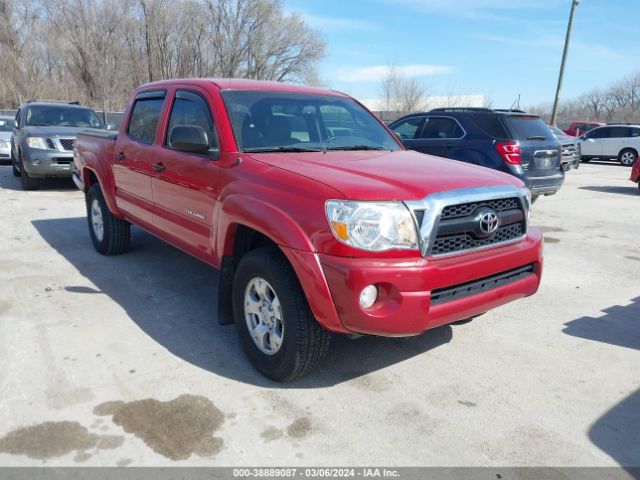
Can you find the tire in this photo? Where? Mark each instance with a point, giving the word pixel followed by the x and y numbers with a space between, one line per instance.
pixel 627 157
pixel 14 166
pixel 28 183
pixel 293 344
pixel 112 238
pixel 534 198
pixel 585 159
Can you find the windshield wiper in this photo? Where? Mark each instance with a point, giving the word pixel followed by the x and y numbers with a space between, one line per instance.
pixel 280 149
pixel 537 137
pixel 356 147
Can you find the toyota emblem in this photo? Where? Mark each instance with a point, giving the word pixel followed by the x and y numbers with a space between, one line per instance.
pixel 489 223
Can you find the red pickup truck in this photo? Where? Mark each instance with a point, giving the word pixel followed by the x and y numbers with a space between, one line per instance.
pixel 578 128
pixel 318 219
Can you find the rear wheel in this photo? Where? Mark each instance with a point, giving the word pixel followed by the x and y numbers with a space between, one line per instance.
pixel 28 183
pixel 585 159
pixel 627 157
pixel 109 234
pixel 279 333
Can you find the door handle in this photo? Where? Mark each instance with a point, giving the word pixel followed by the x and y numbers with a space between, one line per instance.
pixel 120 156
pixel 158 167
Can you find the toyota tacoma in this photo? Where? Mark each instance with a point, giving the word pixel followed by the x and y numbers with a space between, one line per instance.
pixel 318 219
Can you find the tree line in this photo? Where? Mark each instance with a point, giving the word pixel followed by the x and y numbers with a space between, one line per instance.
pixel 618 103
pixel 98 51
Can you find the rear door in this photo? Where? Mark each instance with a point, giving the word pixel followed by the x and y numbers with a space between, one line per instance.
pixel 185 185
pixel 439 136
pixel 539 149
pixel 616 140
pixel 134 153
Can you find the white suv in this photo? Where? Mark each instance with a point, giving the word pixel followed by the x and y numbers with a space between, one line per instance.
pixel 614 141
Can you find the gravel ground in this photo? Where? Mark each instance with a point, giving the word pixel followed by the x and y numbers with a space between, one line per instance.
pixel 120 361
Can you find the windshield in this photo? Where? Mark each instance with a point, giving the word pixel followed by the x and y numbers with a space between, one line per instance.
pixel 282 121
pixel 6 124
pixel 48 115
pixel 528 127
pixel 557 132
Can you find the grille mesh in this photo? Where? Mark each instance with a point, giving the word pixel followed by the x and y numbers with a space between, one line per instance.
pixel 464 241
pixel 67 143
pixel 464 209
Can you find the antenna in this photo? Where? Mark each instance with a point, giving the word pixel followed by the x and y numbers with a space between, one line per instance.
pixel 516 104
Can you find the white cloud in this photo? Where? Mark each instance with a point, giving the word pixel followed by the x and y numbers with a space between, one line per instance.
pixel 549 42
pixel 377 72
pixel 477 9
pixel 336 23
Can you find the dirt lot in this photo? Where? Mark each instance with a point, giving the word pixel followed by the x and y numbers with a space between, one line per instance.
pixel 120 361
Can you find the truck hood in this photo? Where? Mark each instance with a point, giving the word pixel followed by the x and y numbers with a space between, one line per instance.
pixel 384 175
pixel 53 131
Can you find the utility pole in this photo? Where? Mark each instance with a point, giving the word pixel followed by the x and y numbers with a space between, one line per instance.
pixel 554 112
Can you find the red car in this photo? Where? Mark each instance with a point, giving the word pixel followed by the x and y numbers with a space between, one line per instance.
pixel 635 173
pixel 578 128
pixel 317 217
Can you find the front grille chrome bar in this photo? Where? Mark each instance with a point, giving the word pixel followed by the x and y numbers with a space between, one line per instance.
pixel 430 208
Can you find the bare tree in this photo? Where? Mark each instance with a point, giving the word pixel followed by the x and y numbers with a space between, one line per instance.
pixel 401 93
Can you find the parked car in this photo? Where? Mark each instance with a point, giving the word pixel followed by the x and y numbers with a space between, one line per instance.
pixel 510 141
pixel 570 149
pixel 43 138
pixel 317 217
pixel 6 127
pixel 578 128
pixel 619 142
pixel 635 173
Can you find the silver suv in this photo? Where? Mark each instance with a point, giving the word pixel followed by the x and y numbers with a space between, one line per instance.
pixel 44 134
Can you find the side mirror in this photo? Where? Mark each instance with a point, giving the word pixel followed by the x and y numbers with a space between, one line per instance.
pixel 15 124
pixel 111 126
pixel 189 139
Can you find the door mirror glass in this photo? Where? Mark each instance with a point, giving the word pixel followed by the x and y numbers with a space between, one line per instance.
pixel 15 124
pixel 189 138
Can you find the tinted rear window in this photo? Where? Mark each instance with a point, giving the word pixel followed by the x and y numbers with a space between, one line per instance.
pixel 490 124
pixel 525 127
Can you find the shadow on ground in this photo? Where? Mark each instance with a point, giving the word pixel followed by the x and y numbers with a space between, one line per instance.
pixel 630 190
pixel 617 432
pixel 619 326
pixel 172 297
pixel 9 182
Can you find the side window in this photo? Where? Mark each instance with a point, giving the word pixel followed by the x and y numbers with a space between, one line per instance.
pixel 490 124
pixel 190 109
pixel 410 128
pixel 440 127
pixel 619 132
pixel 144 119
pixel 598 133
pixel 635 132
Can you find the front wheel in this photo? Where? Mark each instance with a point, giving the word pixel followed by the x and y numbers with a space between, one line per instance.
pixel 109 234
pixel 627 157
pixel 28 182
pixel 14 165
pixel 279 333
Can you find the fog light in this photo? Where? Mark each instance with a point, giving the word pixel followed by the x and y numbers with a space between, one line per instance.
pixel 368 296
pixel 36 162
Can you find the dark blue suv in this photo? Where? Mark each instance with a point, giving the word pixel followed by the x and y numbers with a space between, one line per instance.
pixel 511 141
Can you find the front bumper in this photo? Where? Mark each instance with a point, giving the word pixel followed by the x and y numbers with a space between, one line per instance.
pixel 47 163
pixel 405 306
pixel 570 161
pixel 5 153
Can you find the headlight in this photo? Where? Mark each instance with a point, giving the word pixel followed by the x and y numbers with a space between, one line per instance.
pixel 372 226
pixel 4 144
pixel 37 142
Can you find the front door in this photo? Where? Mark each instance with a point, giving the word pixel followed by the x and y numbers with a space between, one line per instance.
pixel 185 185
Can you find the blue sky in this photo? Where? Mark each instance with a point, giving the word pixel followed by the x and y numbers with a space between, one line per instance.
pixel 499 48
